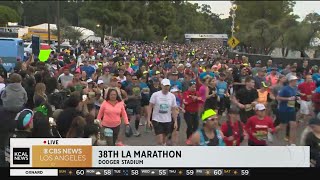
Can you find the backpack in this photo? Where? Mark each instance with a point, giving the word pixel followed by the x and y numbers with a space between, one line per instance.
pixel 229 132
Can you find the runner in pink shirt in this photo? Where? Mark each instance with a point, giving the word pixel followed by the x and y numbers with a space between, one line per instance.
pixel 110 113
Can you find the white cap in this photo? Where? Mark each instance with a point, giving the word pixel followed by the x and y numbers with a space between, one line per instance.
pixel 99 54
pixel 89 80
pixel 180 65
pixel 188 65
pixel 174 90
pixel 165 82
pixel 100 82
pixel 291 78
pixel 81 64
pixel 260 107
pixel 201 60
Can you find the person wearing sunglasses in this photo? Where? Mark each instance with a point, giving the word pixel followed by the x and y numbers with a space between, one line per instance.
pixel 209 135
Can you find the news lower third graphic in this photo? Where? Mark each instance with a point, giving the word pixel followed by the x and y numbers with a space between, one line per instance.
pixel 21 156
pixel 34 154
pixel 130 172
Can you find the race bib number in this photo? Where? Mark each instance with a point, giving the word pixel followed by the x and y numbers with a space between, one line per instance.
pixel 136 91
pixel 164 108
pixel 108 132
pixel 262 135
pixel 291 104
pixel 130 111
pixel 221 91
pixel 248 107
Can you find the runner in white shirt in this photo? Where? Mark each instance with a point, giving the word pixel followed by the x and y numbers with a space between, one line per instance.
pixel 162 105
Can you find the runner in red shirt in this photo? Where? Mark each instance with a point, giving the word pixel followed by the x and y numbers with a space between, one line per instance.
pixel 306 90
pixel 258 127
pixel 191 100
pixel 233 129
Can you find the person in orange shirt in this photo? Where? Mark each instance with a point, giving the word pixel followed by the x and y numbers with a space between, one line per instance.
pixel 273 77
pixel 110 113
pixel 263 94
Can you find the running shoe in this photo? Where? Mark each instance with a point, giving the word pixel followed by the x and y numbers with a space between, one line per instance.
pixel 286 139
pixel 119 143
pixel 136 134
pixel 188 142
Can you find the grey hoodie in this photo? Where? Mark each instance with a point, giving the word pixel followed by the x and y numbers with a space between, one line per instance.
pixel 14 97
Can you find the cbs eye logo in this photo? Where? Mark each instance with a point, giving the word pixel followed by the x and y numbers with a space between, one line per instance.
pixel 21 155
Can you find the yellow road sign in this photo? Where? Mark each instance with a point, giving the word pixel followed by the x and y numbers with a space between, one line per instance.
pixel 233 42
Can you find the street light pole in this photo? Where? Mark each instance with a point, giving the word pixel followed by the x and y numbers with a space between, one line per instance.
pixel 233 15
pixel 58 24
pixel 48 14
pixel 234 8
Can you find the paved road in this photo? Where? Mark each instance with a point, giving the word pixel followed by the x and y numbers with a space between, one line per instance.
pixel 148 138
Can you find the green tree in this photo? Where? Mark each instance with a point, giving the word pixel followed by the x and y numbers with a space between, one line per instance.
pixel 162 14
pixel 301 36
pixel 148 20
pixel 106 13
pixel 253 16
pixel 8 14
pixel 286 26
pixel 68 32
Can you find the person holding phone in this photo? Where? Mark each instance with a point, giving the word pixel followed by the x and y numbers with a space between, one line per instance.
pixel 110 114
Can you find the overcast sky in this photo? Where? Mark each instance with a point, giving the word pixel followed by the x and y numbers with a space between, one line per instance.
pixel 302 8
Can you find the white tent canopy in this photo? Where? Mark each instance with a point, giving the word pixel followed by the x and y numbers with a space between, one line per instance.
pixel 86 33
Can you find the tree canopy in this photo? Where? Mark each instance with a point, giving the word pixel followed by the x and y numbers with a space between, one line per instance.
pixel 8 14
pixel 265 26
pixel 260 26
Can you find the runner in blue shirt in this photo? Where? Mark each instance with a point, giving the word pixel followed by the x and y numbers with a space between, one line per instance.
pixel 222 91
pixel 174 80
pixel 287 109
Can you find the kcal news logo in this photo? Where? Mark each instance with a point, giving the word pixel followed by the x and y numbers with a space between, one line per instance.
pixel 21 155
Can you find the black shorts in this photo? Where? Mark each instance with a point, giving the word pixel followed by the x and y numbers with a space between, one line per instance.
pixel 286 117
pixel 133 110
pixel 145 102
pixel 162 128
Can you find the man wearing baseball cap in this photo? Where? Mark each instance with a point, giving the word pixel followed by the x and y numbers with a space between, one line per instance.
pixel 287 112
pixel 174 80
pixel 163 108
pixel 209 135
pixel 258 127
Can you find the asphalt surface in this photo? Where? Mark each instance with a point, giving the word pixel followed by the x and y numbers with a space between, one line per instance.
pixel 148 138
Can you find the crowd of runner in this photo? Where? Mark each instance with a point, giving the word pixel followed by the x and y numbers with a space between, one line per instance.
pixel 89 92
